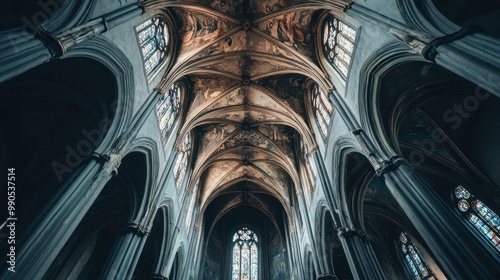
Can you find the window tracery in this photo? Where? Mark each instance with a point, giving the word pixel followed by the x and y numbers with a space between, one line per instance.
pixel 484 220
pixel 245 255
pixel 413 260
pixel 323 109
pixel 167 111
pixel 338 44
pixel 153 39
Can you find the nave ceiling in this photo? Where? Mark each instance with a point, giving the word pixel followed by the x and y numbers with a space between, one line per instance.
pixel 248 66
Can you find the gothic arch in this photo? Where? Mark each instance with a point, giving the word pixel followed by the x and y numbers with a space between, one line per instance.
pixel 144 201
pixel 108 219
pixel 106 52
pixel 79 112
pixel 372 71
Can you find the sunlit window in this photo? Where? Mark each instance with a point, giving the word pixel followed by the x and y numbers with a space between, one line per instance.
pixel 414 262
pixel 152 36
pixel 338 44
pixel 245 255
pixel 484 220
pixel 323 109
pixel 167 111
pixel 182 162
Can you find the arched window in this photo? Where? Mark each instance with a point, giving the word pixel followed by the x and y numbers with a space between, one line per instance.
pixel 484 220
pixel 323 109
pixel 167 110
pixel 338 44
pixel 413 260
pixel 182 161
pixel 152 36
pixel 245 255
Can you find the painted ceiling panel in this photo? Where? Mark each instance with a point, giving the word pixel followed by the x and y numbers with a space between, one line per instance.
pixel 199 29
pixel 293 29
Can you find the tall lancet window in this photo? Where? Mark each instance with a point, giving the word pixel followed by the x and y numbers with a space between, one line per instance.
pixel 413 260
pixel 152 36
pixel 167 110
pixel 181 162
pixel 338 44
pixel 245 255
pixel 484 220
pixel 323 109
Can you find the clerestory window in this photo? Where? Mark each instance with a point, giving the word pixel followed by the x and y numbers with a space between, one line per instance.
pixel 153 39
pixel 483 219
pixel 338 44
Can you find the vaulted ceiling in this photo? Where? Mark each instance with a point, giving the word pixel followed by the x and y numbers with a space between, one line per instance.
pixel 248 65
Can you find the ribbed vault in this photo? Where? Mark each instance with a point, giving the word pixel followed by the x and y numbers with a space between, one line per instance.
pixel 248 67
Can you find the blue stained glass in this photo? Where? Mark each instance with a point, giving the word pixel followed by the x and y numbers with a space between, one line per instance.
pixel 152 37
pixel 413 269
pixel 167 110
pixel 338 44
pixel 414 262
pixel 461 192
pixel 485 220
pixel 245 255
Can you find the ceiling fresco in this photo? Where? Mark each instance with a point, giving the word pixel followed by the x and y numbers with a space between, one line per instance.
pixel 247 67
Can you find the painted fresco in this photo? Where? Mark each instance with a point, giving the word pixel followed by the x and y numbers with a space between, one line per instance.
pixel 277 261
pixel 290 88
pixel 212 267
pixel 198 29
pixel 212 135
pixel 293 29
pixel 208 88
pixel 244 41
pixel 281 135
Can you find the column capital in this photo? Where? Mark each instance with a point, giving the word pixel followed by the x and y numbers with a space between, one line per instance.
pixel 351 232
pixel 327 277
pixel 136 228
pixel 389 165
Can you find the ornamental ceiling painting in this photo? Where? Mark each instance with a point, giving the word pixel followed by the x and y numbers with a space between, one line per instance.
pixel 248 66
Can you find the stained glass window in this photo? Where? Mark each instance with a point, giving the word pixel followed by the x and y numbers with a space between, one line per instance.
pixel 323 109
pixel 413 260
pixel 484 220
pixel 338 44
pixel 152 36
pixel 182 161
pixel 167 110
pixel 245 255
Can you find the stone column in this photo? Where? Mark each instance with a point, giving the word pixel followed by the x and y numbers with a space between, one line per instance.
pixel 24 49
pixel 466 52
pixel 360 255
pixel 126 252
pixel 60 217
pixel 459 252
pixel 56 224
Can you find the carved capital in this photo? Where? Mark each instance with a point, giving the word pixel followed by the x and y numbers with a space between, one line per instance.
pixel 351 232
pixel 389 165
